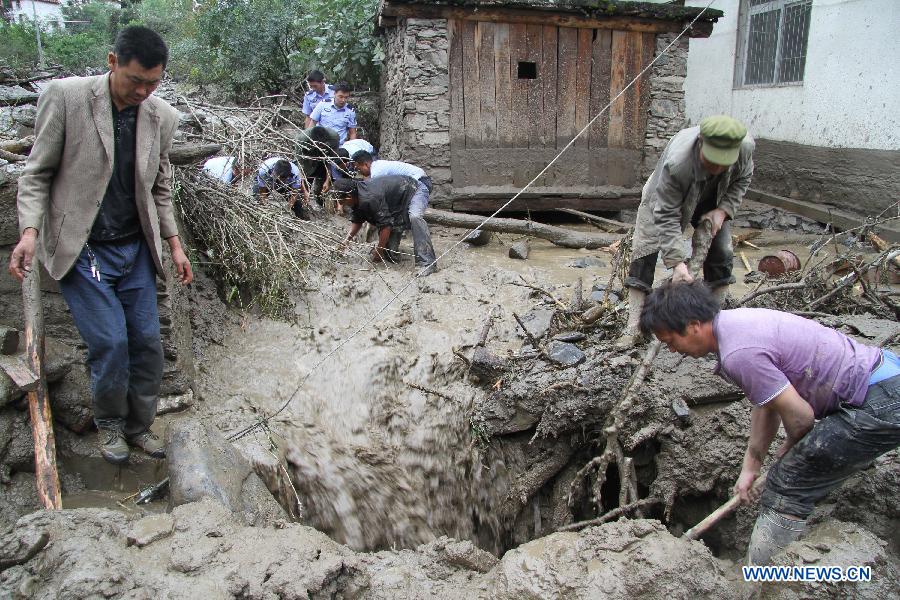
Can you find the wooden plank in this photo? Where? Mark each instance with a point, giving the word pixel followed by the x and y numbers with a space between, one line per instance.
pixel 24 378
pixel 823 213
pixel 548 84
pixel 503 86
pixel 567 82
pixel 471 87
pixel 600 72
pixel 518 49
pixel 541 17
pixel 46 477
pixel 616 138
pixel 457 103
pixel 484 42
pixel 583 84
pixel 535 39
pixel 633 137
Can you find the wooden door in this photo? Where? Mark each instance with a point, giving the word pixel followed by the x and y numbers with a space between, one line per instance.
pixel 520 93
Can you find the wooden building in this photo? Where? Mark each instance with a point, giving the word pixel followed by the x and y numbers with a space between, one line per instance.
pixel 483 94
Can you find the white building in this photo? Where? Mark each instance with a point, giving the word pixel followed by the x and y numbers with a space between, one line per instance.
pixel 818 82
pixel 47 11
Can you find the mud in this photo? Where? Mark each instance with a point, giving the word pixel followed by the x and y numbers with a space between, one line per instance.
pixel 202 552
pixel 416 479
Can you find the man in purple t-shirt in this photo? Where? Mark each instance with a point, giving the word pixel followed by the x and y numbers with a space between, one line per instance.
pixel 839 400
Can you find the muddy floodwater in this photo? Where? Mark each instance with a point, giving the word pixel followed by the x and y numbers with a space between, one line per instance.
pixel 378 462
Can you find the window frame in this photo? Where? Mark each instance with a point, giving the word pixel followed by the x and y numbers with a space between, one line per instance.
pixel 743 42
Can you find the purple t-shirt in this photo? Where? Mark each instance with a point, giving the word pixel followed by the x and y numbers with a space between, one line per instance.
pixel 764 350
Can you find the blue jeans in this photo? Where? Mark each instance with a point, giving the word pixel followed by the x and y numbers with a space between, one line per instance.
pixel 839 445
pixel 118 320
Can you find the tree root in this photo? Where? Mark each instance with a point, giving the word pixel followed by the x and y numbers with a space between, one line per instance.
pixel 613 514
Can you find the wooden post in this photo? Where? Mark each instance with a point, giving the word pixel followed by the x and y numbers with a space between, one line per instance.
pixel 46 476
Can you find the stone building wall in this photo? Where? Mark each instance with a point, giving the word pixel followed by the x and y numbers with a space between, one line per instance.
pixel 415 114
pixel 667 107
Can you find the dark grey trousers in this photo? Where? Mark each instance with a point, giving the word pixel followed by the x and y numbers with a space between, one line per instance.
pixel 844 442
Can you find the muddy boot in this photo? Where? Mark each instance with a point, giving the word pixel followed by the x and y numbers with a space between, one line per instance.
pixel 632 334
pixel 771 534
pixel 112 446
pixel 422 245
pixel 149 443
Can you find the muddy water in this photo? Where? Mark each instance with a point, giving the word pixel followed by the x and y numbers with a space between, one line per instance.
pixel 377 463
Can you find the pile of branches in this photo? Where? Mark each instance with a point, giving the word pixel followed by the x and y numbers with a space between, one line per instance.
pixel 259 253
pixel 843 282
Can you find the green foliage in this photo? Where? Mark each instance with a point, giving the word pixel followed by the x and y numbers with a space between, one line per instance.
pixel 76 51
pixel 18 46
pixel 343 44
pixel 250 47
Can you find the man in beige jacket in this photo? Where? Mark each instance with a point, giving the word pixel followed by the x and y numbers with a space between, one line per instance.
pixel 94 201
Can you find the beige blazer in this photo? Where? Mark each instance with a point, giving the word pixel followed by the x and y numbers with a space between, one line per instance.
pixel 71 163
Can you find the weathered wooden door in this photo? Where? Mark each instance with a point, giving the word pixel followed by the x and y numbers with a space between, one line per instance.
pixel 520 93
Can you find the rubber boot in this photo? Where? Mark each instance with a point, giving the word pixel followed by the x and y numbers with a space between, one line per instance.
pixel 771 534
pixel 632 334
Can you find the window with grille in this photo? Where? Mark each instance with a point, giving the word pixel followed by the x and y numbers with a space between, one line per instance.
pixel 774 35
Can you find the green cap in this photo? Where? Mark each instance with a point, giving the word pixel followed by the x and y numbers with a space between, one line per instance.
pixel 722 137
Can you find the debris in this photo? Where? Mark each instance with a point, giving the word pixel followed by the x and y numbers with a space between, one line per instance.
pixel 569 336
pixel 565 354
pixel 479 237
pixel 520 250
pixel 586 261
pixel 150 529
pixel 680 408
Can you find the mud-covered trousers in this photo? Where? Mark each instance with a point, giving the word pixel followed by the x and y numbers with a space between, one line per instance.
pixel 839 445
pixel 422 245
pixel 118 319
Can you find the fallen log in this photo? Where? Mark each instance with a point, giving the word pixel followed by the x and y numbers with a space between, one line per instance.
pixel 186 154
pixel 606 224
pixel 46 475
pixel 560 236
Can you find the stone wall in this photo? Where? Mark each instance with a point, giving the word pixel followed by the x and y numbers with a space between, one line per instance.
pixel 415 113
pixel 667 106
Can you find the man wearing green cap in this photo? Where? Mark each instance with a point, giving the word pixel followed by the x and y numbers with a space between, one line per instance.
pixel 703 173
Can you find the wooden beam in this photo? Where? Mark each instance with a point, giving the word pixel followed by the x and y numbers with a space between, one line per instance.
pixel 544 17
pixel 545 203
pixel 46 475
pixel 824 213
pixel 21 375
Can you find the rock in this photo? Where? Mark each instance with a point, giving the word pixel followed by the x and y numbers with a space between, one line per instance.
pixel 565 354
pixel 569 336
pixel 680 407
pixel 486 365
pixel 625 559
pixel 586 261
pixel 538 321
pixel 479 238
pixel 71 400
pixel 150 529
pixel 520 250
pixel 15 95
pixel 175 403
pixel 17 549
pixel 468 556
pixel 202 463
pixel 598 295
